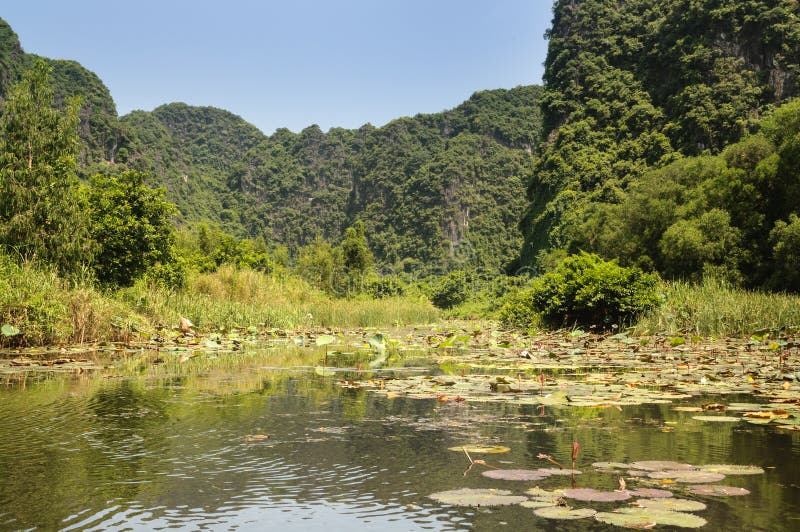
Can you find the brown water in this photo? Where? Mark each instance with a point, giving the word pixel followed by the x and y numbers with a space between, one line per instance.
pixel 158 452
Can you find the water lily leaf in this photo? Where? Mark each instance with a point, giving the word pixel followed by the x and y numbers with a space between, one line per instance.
pixel 650 493
pixel 551 497
pixel 9 330
pixel 662 465
pixel 687 409
pixel 675 505
pixel 325 339
pixel 610 465
pixel 555 398
pixel 593 495
pixel 537 504
pixel 377 341
pixel 731 469
pixel 688 477
pixel 718 419
pixel 563 512
pixel 641 517
pixel 559 471
pixel 323 371
pixel 477 497
pixel 516 474
pixel 718 491
pixel 481 449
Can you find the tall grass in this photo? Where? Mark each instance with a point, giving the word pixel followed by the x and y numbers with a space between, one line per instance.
pixel 48 309
pixel 714 308
pixel 232 297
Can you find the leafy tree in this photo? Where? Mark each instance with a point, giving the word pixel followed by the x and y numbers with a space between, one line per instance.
pixel 41 210
pixel 587 290
pixel 785 240
pixel 132 225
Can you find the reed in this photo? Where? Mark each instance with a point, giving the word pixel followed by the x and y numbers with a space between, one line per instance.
pixel 714 308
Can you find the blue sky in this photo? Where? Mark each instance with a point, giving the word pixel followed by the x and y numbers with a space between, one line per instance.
pixel 293 63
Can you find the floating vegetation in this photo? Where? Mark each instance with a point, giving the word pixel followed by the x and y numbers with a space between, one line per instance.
pixel 652 493
pixel 688 477
pixel 564 512
pixel 647 518
pixel 716 490
pixel 662 465
pixel 477 497
pixel 730 469
pixel 593 495
pixel 481 449
pixel 718 419
pixel 516 474
pixel 675 505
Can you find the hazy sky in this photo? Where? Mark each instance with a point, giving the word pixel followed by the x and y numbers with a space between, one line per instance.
pixel 293 63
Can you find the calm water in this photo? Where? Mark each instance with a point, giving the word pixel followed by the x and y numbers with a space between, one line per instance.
pixel 143 453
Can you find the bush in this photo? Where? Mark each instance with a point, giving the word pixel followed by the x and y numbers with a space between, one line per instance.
pixel 451 290
pixel 588 291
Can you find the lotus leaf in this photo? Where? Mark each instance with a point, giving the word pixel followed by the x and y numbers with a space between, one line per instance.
pixel 481 449
pixel 516 474
pixel 558 471
pixel 688 477
pixel 593 495
pixel 676 505
pixel 477 497
pixel 718 491
pixel 642 517
pixel 718 419
pixel 610 465
pixel 564 512
pixel 325 339
pixel 651 493
pixel 662 465
pixel 731 469
pixel 537 504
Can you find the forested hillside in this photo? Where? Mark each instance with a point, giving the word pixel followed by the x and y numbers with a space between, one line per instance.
pixel 442 189
pixel 644 106
pixel 425 187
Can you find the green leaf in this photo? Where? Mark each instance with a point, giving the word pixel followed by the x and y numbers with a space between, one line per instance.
pixel 325 339
pixel 9 330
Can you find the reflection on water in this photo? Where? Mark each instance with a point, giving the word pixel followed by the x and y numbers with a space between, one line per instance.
pixel 169 452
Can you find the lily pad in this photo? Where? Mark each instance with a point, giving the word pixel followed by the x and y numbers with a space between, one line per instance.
pixel 645 517
pixel 675 505
pixel 564 512
pixel 325 339
pixel 651 493
pixel 732 469
pixel 610 465
pixel 688 477
pixel 593 495
pixel 662 465
pixel 539 494
pixel 481 449
pixel 477 497
pixel 516 474
pixel 718 491
pixel 537 504
pixel 717 419
pixel 559 471
pixel 9 330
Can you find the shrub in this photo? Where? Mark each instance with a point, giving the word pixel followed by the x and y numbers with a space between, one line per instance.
pixel 451 290
pixel 589 291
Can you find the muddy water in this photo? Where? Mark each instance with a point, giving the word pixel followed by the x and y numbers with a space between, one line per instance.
pixel 106 451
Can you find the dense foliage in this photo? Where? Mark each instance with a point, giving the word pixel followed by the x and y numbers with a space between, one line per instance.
pixel 631 90
pixel 585 290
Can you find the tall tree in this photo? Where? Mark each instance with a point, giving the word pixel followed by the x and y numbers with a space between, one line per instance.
pixel 41 213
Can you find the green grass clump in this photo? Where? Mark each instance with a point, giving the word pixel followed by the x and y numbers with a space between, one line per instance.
pixel 232 297
pixel 714 308
pixel 48 309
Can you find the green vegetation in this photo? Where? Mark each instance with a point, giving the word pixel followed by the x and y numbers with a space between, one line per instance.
pixel 587 291
pixel 667 142
pixel 657 148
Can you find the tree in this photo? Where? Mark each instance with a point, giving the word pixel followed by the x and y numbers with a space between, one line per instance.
pixel 132 225
pixel 356 254
pixel 41 212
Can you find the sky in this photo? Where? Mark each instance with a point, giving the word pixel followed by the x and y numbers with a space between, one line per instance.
pixel 293 63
